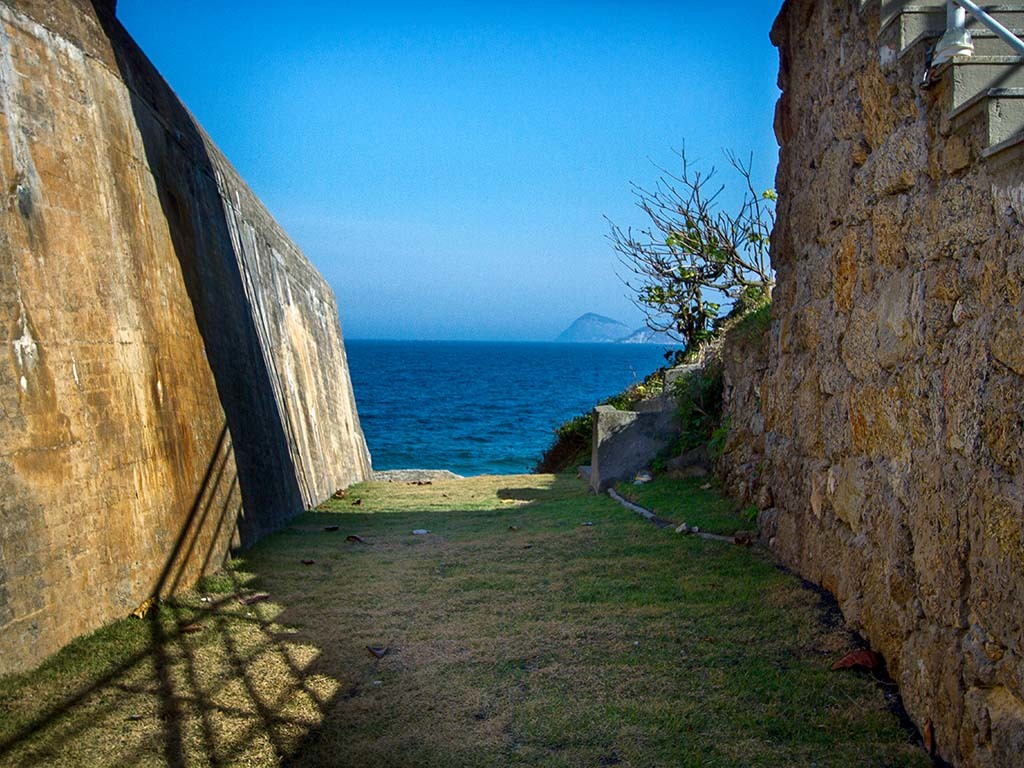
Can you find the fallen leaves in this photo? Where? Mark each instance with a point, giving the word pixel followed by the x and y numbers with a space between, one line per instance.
pixel 144 608
pixel 259 597
pixel 859 659
pixel 744 538
pixel 928 736
pixel 378 651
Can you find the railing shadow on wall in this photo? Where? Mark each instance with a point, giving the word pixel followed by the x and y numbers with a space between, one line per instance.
pixel 186 182
pixel 160 667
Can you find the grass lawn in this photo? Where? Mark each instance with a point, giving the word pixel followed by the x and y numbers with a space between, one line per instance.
pixel 517 636
pixel 693 501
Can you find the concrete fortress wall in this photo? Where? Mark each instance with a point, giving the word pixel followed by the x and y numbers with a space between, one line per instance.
pixel 175 381
pixel 893 402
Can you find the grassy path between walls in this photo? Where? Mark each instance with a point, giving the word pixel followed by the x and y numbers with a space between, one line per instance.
pixel 534 625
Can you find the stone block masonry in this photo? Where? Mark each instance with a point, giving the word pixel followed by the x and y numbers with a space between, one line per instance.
pixel 893 401
pixel 175 382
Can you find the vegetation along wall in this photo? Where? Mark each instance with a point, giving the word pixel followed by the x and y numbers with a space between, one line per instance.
pixel 888 437
pixel 174 381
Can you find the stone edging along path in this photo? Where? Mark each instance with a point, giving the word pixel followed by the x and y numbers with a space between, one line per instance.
pixel 661 523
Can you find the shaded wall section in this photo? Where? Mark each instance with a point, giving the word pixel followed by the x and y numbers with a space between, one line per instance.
pixel 174 381
pixel 892 403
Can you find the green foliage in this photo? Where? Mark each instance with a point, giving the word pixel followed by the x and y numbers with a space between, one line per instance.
pixel 695 258
pixel 699 394
pixel 753 321
pixel 719 435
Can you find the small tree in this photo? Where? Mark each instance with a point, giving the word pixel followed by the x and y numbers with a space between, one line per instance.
pixel 696 258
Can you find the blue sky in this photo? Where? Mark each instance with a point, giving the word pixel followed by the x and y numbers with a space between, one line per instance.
pixel 448 168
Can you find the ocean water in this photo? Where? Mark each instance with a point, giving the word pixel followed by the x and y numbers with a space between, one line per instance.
pixel 481 407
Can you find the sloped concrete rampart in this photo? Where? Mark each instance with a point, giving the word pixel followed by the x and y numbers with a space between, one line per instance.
pixel 174 381
pixel 892 403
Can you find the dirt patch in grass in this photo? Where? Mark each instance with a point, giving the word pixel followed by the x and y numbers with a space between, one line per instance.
pixel 517 635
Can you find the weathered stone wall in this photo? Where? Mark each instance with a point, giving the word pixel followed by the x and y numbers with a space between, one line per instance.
pixel 175 380
pixel 744 361
pixel 894 399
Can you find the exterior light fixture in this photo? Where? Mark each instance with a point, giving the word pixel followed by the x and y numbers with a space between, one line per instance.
pixel 957 40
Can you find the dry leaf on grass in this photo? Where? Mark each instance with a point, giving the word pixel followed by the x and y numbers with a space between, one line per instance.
pixel 259 597
pixel 144 608
pixel 859 659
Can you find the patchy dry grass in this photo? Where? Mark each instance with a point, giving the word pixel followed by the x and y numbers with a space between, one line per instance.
pixel 518 636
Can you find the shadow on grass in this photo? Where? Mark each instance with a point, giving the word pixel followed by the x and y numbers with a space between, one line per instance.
pixel 153 665
pixel 144 689
pixel 524 638
pixel 155 689
pixel 561 486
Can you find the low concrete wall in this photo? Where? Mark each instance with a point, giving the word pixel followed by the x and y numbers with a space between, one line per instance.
pixel 625 442
pixel 175 381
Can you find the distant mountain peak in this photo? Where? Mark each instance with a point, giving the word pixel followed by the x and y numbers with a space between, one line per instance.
pixel 593 328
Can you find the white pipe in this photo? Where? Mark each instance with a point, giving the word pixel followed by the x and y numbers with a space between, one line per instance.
pixel 956 17
pixel 1011 39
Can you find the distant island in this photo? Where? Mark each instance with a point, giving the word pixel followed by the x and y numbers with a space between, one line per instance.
pixel 592 328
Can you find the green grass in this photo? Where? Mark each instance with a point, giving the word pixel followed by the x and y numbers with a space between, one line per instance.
pixel 519 637
pixel 693 501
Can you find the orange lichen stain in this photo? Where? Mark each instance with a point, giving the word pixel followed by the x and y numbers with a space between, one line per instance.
pixel 845 273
